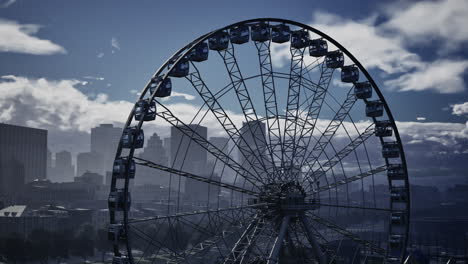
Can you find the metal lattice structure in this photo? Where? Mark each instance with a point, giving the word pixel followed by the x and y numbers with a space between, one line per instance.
pixel 312 168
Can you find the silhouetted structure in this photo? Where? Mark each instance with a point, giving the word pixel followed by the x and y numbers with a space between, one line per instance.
pixel 23 156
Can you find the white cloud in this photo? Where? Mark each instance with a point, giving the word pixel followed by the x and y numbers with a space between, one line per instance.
pixel 56 105
pixel 97 78
pixel 100 55
pixel 424 21
pixel 19 38
pixel 115 43
pixel 460 109
pixel 420 118
pixel 386 45
pixel 443 76
pixel 186 96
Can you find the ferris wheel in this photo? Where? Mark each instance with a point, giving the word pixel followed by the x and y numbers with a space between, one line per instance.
pixel 287 153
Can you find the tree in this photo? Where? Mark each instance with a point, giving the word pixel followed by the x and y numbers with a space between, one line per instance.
pixel 41 245
pixel 60 245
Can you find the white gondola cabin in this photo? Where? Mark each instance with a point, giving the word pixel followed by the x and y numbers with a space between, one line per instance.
pixel 398 194
pixel 383 128
pixel 119 168
pixel 374 108
pixel 145 110
pixel 334 59
pixel 164 90
pixel 181 69
pixel 363 90
pixel 395 240
pixel 280 33
pixel 199 52
pixel 116 232
pixel 300 39
pixel 132 137
pixel 349 74
pixel 390 150
pixel 219 41
pixel 397 218
pixel 318 47
pixel 120 260
pixel 396 172
pixel 260 32
pixel 240 34
pixel 116 201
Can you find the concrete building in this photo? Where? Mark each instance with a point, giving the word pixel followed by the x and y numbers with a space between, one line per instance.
pixel 90 178
pixel 253 146
pixel 23 156
pixel 104 141
pixel 188 156
pixel 89 161
pixel 63 170
pixel 154 151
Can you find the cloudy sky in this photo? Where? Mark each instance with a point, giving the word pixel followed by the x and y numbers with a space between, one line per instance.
pixel 67 66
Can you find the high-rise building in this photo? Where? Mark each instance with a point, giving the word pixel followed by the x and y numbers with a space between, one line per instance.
pixel 188 156
pixel 253 146
pixel 154 151
pixel 63 169
pixel 104 141
pixel 89 161
pixel 23 155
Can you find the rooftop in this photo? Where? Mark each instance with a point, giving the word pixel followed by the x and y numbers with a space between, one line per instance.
pixel 13 211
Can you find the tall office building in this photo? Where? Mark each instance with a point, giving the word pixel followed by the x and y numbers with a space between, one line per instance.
pixel 253 146
pixel 188 156
pixel 23 155
pixel 63 171
pixel 104 141
pixel 89 161
pixel 154 151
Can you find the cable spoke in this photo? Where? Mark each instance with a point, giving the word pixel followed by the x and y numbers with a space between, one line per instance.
pixel 346 233
pixel 330 131
pixel 223 118
pixel 356 207
pixel 247 106
pixel 167 115
pixel 351 179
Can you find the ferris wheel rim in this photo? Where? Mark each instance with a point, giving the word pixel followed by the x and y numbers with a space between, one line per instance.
pixel 177 56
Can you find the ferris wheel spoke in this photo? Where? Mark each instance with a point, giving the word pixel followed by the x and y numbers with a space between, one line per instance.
pixel 167 115
pixel 292 109
pixel 234 134
pixel 248 109
pixel 342 231
pixel 318 254
pixel 344 152
pixel 271 105
pixel 356 207
pixel 313 111
pixel 189 175
pixel 274 253
pixel 327 135
pixel 245 242
pixel 199 212
pixel 349 180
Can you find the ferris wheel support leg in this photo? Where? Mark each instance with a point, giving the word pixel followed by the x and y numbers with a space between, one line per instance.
pixel 315 246
pixel 273 258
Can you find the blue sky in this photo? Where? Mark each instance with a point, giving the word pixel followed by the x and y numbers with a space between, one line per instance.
pixel 98 54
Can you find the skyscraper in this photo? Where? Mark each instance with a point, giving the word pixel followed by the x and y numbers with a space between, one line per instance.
pixel 188 156
pixel 253 146
pixel 154 151
pixel 104 141
pixel 22 149
pixel 89 161
pixel 64 169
